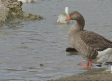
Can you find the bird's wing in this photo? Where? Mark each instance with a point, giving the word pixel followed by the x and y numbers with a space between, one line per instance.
pixel 95 40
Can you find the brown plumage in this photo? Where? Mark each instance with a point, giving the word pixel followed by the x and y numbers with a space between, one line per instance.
pixel 87 43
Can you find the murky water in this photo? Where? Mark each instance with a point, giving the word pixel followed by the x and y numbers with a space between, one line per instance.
pixel 35 50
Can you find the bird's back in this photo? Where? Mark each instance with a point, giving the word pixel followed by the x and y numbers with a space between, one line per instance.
pixel 88 43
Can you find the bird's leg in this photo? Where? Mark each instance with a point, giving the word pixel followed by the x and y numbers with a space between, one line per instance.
pixel 89 65
pixel 82 64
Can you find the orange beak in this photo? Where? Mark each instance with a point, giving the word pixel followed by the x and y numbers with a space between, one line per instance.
pixel 59 21
pixel 68 18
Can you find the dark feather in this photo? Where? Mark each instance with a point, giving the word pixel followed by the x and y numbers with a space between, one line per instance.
pixel 95 40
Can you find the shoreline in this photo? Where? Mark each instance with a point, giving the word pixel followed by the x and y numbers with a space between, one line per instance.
pixel 99 74
pixel 97 77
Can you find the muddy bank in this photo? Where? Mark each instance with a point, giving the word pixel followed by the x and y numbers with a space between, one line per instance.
pixel 11 9
pixel 97 77
pixel 96 74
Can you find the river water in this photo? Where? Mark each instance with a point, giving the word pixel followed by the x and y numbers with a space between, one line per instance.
pixel 35 50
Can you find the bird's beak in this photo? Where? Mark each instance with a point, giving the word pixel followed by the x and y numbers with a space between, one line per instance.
pixel 59 21
pixel 68 18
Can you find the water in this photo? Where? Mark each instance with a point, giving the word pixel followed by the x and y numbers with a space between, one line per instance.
pixel 35 50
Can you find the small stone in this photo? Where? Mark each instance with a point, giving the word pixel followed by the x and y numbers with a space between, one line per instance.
pixel 41 65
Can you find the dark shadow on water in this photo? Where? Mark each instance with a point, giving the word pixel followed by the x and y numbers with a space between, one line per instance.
pixel 14 70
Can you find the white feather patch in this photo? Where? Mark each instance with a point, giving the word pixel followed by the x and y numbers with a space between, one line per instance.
pixel 104 55
pixel 66 10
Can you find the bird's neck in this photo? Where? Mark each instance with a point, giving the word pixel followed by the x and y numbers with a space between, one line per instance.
pixel 79 26
pixel 80 23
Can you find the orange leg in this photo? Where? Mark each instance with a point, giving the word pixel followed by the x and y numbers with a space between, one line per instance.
pixel 89 65
pixel 82 64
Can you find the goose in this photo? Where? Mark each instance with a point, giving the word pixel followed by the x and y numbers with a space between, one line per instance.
pixel 27 1
pixel 94 48
pixel 62 17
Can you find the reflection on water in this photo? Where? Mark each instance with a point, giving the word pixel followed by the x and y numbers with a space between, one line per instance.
pixel 35 50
